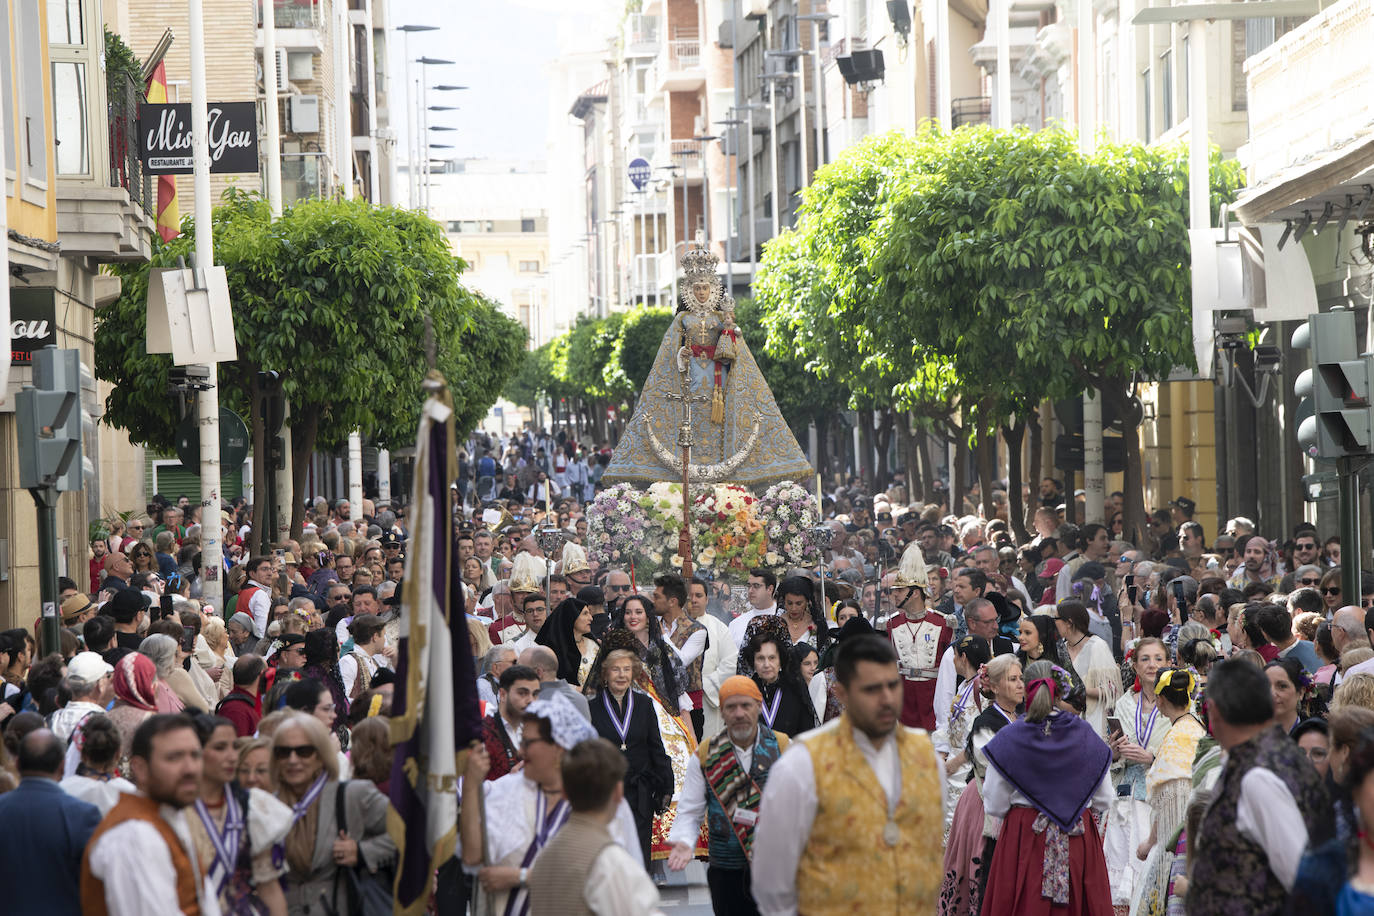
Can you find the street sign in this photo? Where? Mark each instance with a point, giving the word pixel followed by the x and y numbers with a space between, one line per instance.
pixel 33 321
pixel 640 173
pixel 234 442
pixel 164 137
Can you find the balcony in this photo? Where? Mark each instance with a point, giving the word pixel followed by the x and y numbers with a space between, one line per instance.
pixel 112 222
pixel 305 176
pixel 679 65
pixel 686 155
pixel 644 282
pixel 299 24
pixel 974 109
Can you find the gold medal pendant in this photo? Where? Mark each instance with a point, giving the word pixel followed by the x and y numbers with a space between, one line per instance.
pixel 890 833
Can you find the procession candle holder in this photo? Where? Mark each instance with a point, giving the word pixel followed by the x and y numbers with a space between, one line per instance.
pixel 823 536
pixel 549 540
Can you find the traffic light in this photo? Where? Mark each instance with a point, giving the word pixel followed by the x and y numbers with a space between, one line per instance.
pixel 1334 415
pixel 48 421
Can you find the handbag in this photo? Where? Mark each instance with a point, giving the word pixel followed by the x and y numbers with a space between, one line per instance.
pixel 369 894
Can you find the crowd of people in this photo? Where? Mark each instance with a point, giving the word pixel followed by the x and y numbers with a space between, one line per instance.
pixel 952 719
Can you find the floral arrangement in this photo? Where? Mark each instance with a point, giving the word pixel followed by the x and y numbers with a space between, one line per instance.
pixel 733 530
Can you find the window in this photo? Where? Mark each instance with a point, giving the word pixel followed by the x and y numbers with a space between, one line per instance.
pixel 31 127
pixel 527 225
pixel 529 267
pixel 1166 89
pixel 73 147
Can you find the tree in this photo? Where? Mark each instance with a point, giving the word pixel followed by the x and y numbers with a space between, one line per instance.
pixel 993 269
pixel 636 347
pixel 333 296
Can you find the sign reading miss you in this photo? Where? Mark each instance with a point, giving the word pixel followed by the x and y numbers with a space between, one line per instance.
pixel 164 137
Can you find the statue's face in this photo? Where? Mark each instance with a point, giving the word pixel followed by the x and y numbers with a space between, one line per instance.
pixel 702 290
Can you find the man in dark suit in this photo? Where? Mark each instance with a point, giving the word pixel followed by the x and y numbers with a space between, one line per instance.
pixel 43 834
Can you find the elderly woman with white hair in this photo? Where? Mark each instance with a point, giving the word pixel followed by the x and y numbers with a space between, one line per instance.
pixel 161 650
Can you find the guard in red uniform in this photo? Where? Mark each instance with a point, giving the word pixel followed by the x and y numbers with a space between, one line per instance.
pixel 920 637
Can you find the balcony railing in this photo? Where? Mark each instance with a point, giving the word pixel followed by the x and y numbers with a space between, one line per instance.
pixel 305 176
pixel 974 109
pixel 684 54
pixel 126 171
pixel 294 14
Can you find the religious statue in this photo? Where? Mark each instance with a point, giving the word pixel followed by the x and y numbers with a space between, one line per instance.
pixel 705 389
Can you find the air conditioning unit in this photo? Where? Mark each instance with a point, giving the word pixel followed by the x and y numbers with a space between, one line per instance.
pixel 300 65
pixel 283 71
pixel 303 114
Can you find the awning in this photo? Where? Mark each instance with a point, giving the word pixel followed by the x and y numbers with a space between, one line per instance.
pixel 1342 177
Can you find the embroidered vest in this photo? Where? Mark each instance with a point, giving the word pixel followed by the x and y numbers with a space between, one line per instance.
pixel 138 808
pixel 685 628
pixel 1234 876
pixel 560 871
pixel 723 842
pixel 847 866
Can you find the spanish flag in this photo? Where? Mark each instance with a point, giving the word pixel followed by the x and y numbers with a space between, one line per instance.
pixel 168 213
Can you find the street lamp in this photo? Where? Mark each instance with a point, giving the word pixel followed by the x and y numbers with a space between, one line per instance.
pixel 749 109
pixel 425 63
pixel 705 186
pixel 822 140
pixel 773 79
pixel 413 123
pixel 793 54
pixel 731 198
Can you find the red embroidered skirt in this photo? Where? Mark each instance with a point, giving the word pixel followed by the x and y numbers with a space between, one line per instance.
pixel 1014 882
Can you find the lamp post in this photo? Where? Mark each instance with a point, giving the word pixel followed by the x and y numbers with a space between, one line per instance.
pixel 793 54
pixel 822 140
pixel 412 125
pixel 705 186
pixel 730 197
pixel 749 110
pixel 773 79
pixel 425 63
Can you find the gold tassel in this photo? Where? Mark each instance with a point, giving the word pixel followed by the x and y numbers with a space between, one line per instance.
pixel 717 406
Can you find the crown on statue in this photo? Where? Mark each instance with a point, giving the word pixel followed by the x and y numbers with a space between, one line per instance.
pixel 699 264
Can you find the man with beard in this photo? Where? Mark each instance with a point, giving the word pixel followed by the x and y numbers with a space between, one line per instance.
pixel 848 822
pixel 501 732
pixel 141 860
pixel 725 782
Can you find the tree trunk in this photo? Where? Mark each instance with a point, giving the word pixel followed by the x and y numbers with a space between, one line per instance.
pixel 823 445
pixel 922 438
pixel 261 487
pixel 906 447
pixel 987 470
pixel 864 460
pixel 883 440
pixel 1037 433
pixel 1135 518
pixel 1015 434
pixel 303 435
pixel 959 473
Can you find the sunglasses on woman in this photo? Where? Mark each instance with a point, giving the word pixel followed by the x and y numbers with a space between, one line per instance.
pixel 303 751
pixel 1331 590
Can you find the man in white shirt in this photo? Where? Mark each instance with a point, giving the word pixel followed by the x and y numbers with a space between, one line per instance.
pixel 536 612
pixel 369 643
pixel 799 838
pixel 762 582
pixel 615 884
pixel 519 803
pixel 259 592
pixel 128 861
pixel 717 662
pixel 1270 804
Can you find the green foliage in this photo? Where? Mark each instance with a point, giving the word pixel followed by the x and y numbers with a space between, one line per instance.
pixel 1001 267
pixel 641 334
pixel 120 62
pixel 802 396
pixel 334 296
